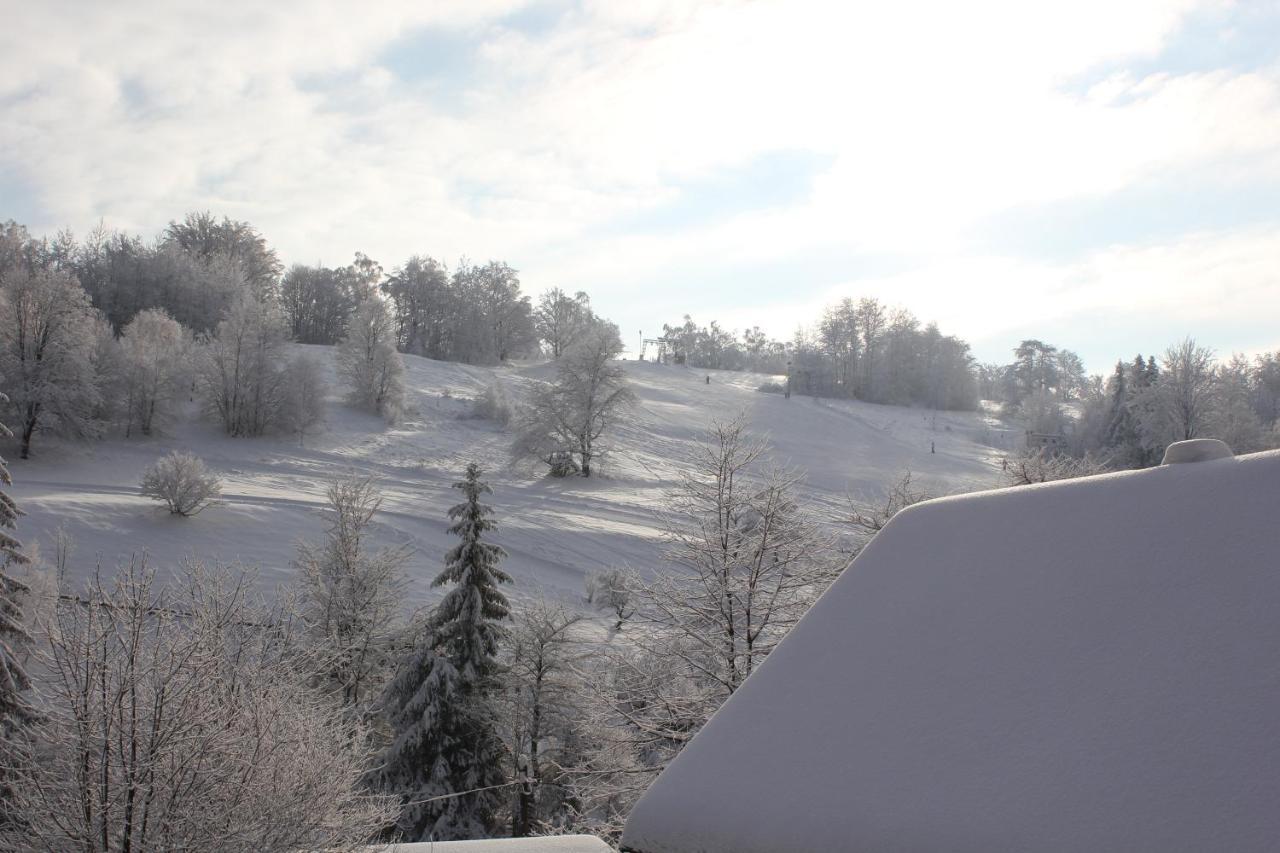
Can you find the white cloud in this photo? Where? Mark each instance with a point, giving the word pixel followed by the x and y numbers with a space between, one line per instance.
pixel 935 116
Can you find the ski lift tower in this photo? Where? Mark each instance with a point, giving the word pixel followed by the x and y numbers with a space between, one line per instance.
pixel 662 345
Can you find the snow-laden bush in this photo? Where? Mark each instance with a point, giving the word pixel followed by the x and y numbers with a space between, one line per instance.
pixel 560 463
pixel 1041 466
pixel 610 590
pixel 182 482
pixel 494 404
pixel 772 388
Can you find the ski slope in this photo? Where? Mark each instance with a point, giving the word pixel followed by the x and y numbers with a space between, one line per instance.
pixel 555 531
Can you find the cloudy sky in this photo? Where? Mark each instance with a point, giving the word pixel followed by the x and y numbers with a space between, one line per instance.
pixel 1103 175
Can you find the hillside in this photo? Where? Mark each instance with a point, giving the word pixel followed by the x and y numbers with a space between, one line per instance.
pixel 554 530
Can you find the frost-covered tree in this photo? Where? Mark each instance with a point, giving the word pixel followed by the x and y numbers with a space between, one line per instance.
pixel 494 404
pixel 611 590
pixel 318 301
pixel 539 709
pixel 154 351
pixel 869 519
pixel 240 368
pixel 424 307
pixel 1234 419
pixel 573 413
pixel 749 560
pixel 182 482
pixel 302 402
pixel 441 704
pixel 202 236
pixel 178 718
pixel 560 319
pixel 369 363
pixel 351 591
pixel 46 347
pixel 508 317
pixel 1185 390
pixel 1041 466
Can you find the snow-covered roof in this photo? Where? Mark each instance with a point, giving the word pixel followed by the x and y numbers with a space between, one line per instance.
pixel 1084 665
pixel 554 844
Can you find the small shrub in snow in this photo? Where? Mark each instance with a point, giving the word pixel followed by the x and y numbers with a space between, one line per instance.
pixel 182 482
pixel 772 388
pixel 560 463
pixel 1041 466
pixel 494 404
pixel 610 590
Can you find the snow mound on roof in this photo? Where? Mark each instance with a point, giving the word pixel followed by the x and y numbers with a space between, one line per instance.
pixel 1085 665
pixel 555 844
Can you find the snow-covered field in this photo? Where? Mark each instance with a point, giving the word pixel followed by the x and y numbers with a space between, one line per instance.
pixel 554 530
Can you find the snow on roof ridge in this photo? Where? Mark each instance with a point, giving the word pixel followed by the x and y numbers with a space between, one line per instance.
pixel 1196 450
pixel 1084 664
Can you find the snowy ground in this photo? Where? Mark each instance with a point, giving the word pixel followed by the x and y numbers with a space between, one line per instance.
pixel 555 530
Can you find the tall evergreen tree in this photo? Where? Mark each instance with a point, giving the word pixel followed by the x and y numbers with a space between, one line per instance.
pixel 15 712
pixel 1122 433
pixel 440 703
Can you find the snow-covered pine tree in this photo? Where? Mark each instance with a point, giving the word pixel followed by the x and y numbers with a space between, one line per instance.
pixel 441 702
pixel 10 548
pixel 14 709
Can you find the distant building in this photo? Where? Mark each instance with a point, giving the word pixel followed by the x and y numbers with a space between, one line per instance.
pixel 1089 664
pixel 1046 441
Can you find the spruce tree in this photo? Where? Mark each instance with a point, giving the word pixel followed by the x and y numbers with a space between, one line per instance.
pixel 1122 433
pixel 440 703
pixel 15 712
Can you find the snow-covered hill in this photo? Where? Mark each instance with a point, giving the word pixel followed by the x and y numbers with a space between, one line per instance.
pixel 555 530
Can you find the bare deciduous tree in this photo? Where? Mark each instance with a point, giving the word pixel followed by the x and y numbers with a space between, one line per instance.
pixel 1186 389
pixel 610 590
pixel 539 707
pixel 369 362
pixel 302 403
pixel 747 563
pixel 560 319
pixel 350 592
pixel 867 521
pixel 570 415
pixel 1040 466
pixel 239 367
pixel 46 346
pixel 177 720
pixel 154 354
